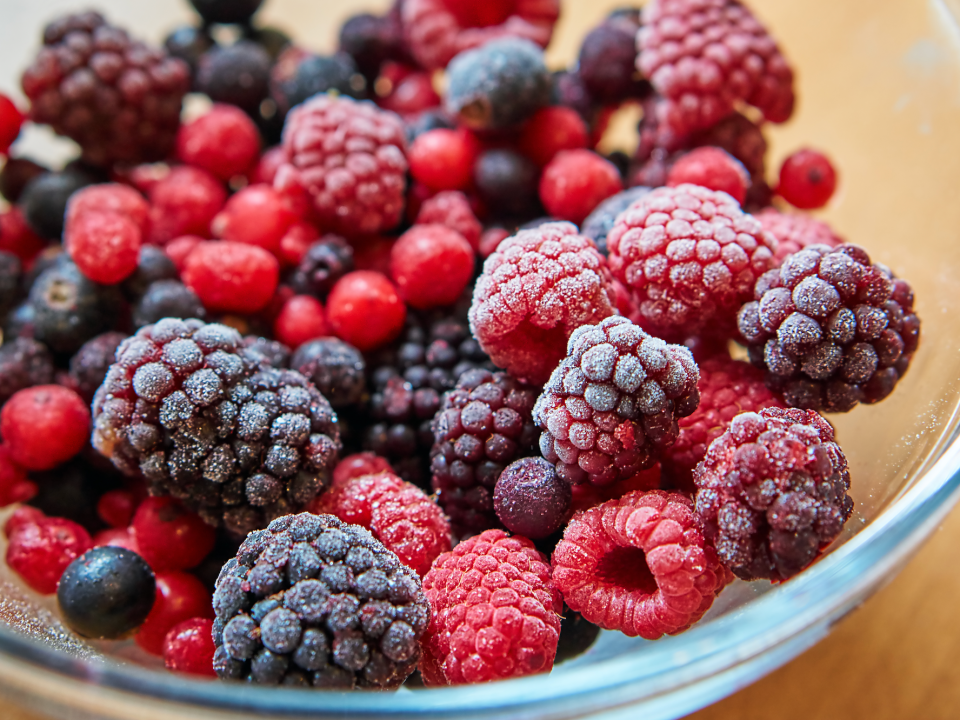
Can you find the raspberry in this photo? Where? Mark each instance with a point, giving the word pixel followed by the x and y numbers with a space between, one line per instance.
pixel 22 516
pixel 437 30
pixel 10 121
pixel 205 421
pixel 690 258
pixel 399 515
pixel 443 159
pixel 575 182
pixel 712 168
pixel 452 209
pixel 830 329
pixel 365 310
pixel 184 203
pixel 607 62
pixel 224 142
pixel 104 246
pixel 325 261
pixel 169 537
pixel 89 366
pixel 703 56
pixel 772 492
pixel 110 198
pixel 530 499
pixel 639 565
pixel 17 237
pixel 496 612
pixel 231 276
pixel 40 552
pixel 483 425
pixel 796 231
pixel 15 485
pixel 506 182
pixel 336 368
pixel 313 601
pixel 23 363
pixel 237 74
pixel 179 597
pixel 535 290
pixel 807 180
pixel 359 464
pixel 350 157
pixel 188 648
pixel 167 298
pixel 431 265
pixel 550 131
pixel 727 388
pixel 43 426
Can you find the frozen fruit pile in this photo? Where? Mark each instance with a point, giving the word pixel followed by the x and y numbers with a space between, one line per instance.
pixel 345 379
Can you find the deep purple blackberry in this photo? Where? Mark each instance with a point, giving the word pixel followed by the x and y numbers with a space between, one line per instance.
pixel 371 40
pixel 599 223
pixel 240 444
pixel 831 329
pixel 336 368
pixel 89 366
pixel 23 363
pixel 530 499
pixel 10 270
pixel 44 200
pixel 607 62
pixel 299 75
pixel 613 403
pixel 772 492
pixel 313 602
pixel 16 174
pixel 237 74
pixel 226 11
pixel 118 98
pixel 153 265
pixel 167 298
pixel 189 44
pixel 327 260
pixel 507 183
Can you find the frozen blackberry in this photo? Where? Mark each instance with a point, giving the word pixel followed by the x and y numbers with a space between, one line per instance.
pixel 327 260
pixel 336 368
pixel 237 74
pixel 612 405
pixel 607 62
pixel 314 602
pixel 507 183
pixel 484 424
pixel 23 363
pixel 772 492
pixel 497 85
pixel 89 366
pixel 167 298
pixel 237 443
pixel 371 40
pixel 153 265
pixel 299 75
pixel 118 98
pixel 16 174
pixel 9 280
pixel 831 329
pixel 599 223
pixel 226 11
pixel 44 200
pixel 189 44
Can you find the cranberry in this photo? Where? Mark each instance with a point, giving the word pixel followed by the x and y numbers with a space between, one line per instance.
pixel 44 426
pixel 179 248
pixel 365 310
pixel 116 508
pixel 169 536
pixel 184 203
pixel 104 245
pixel 300 319
pixel 711 168
pixel 10 121
pixel 296 241
pixel 180 596
pixel 551 130
pixel 575 182
pixel 431 265
pixel 188 648
pixel 807 180
pixel 257 215
pixel 443 159
pixel 231 276
pixel 224 142
pixel 40 552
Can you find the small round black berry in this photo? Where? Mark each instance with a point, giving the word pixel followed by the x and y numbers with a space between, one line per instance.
pixel 507 183
pixel 237 75
pixel 336 368
pixel 167 298
pixel 327 260
pixel 530 499
pixel 153 265
pixel 16 173
pixel 226 11
pixel 44 200
pixel 299 75
pixel 189 44
pixel 10 269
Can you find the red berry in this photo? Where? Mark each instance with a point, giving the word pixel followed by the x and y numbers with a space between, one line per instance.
pixel 170 537
pixel 180 248
pixel 231 276
pixel 257 215
pixel 373 254
pixel 443 159
pixel 266 169
pixel 551 130
pixel 44 426
pixel 116 508
pixel 105 246
pixel 109 198
pixel 575 182
pixel 188 648
pixel 180 596
pixel 431 265
pixel 184 203
pixel 15 486
pixel 807 180
pixel 117 537
pixel 23 515
pixel 412 94
pixel 452 208
pixel 365 310
pixel 40 552
pixel 296 241
pixel 713 168
pixel 359 464
pixel 10 121
pixel 491 239
pixel 300 319
pixel 18 238
pixel 224 142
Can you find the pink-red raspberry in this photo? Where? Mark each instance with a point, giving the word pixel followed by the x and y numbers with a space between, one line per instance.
pixel 399 514
pixel 39 552
pixel 452 208
pixel 611 407
pixel 359 464
pixel 807 180
pixel 301 319
pixel 772 492
pixel 639 565
pixel 188 648
pixel 184 203
pixel 104 245
pixel 365 309
pixel 704 56
pixel 690 257
pixel 350 157
pixel 116 508
pixel 224 142
pixel 550 131
pixel 44 426
pixel 231 276
pixel 712 168
pixel 535 290
pixel 443 159
pixel 437 30
pixel 257 215
pixel 727 388
pixel 795 231
pixel 495 612
pixel 431 265
pixel 575 182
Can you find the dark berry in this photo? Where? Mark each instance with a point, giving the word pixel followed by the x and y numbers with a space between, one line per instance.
pixel 599 223
pixel 71 490
pixel 371 40
pixel 16 174
pixel 10 268
pixel 226 11
pixel 530 499
pixel 336 368
pixel 327 260
pixel 507 183
pixel 607 62
pixel 576 636
pixel 188 43
pixel 237 74
pixel 271 39
pixel 88 367
pixel 154 264
pixel 23 363
pixel 299 75
pixel 167 298
pixel 44 200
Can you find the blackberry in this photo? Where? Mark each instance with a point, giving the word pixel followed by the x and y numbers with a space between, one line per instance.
pixel 153 265
pixel 314 602
pixel 326 261
pixel 44 200
pixel 238 74
pixel 16 174
pixel 485 424
pixel 226 11
pixel 299 75
pixel 371 40
pixel 23 363
pixel 167 298
pixel 189 44
pixel 237 443
pixel 600 222
pixel 831 329
pixel 507 183
pixel 89 366
pixel 118 98
pixel 10 269
pixel 336 368
pixel 607 62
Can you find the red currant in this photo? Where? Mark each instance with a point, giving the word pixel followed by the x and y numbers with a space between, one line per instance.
pixel 180 596
pixel 169 536
pixel 231 276
pixel 365 310
pixel 44 426
pixel 257 215
pixel 431 265
pixel 551 130
pixel 300 320
pixel 188 648
pixel 575 182
pixel 443 159
pixel 224 142
pixel 711 168
pixel 40 552
pixel 807 180
pixel 116 508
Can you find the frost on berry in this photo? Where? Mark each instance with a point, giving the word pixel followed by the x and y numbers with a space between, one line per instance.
pixel 536 289
pixel 795 231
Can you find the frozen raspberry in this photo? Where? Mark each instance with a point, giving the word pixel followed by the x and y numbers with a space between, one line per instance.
pixel 168 536
pixel 712 168
pixel 437 30
pixel 203 420
pixel 109 198
pixel 350 157
pixel 184 203
pixel 831 329
pixel 10 121
pixel 15 485
pixel 237 74
pixel 257 215
pixel 796 231
pixel 336 368
pixel 690 257
pixel 105 246
pixel 311 601
pixel 611 407
pixel 365 310
pixel 118 98
pixel 17 237
pixel 43 426
pixel 727 388
pixel 399 514
pixel 443 159
pixel 179 597
pixel 231 276
pixel 530 499
pixel 358 465
pixel 40 552
pixel 772 492
pixel 703 56
pixel 23 363
pixel 325 261
pixel 224 142
pixel 188 648
pixel 89 366
pixel 496 612
pixel 550 131
pixel 535 290
pixel 575 182
pixel 431 265
pixel 452 209
pixel 639 565
pixel 807 180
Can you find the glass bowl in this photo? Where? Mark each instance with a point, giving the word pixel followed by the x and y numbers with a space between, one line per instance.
pixel 878 87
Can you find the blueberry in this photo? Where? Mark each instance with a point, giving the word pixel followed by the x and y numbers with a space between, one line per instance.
pixel 237 75
pixel 44 200
pixel 189 44
pixel 16 173
pixel 226 11
pixel 507 183
pixel 530 499
pixel 310 75
pixel 153 265
pixel 106 593
pixel 167 298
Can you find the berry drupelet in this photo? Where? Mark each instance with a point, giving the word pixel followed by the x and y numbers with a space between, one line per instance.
pixel 313 602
